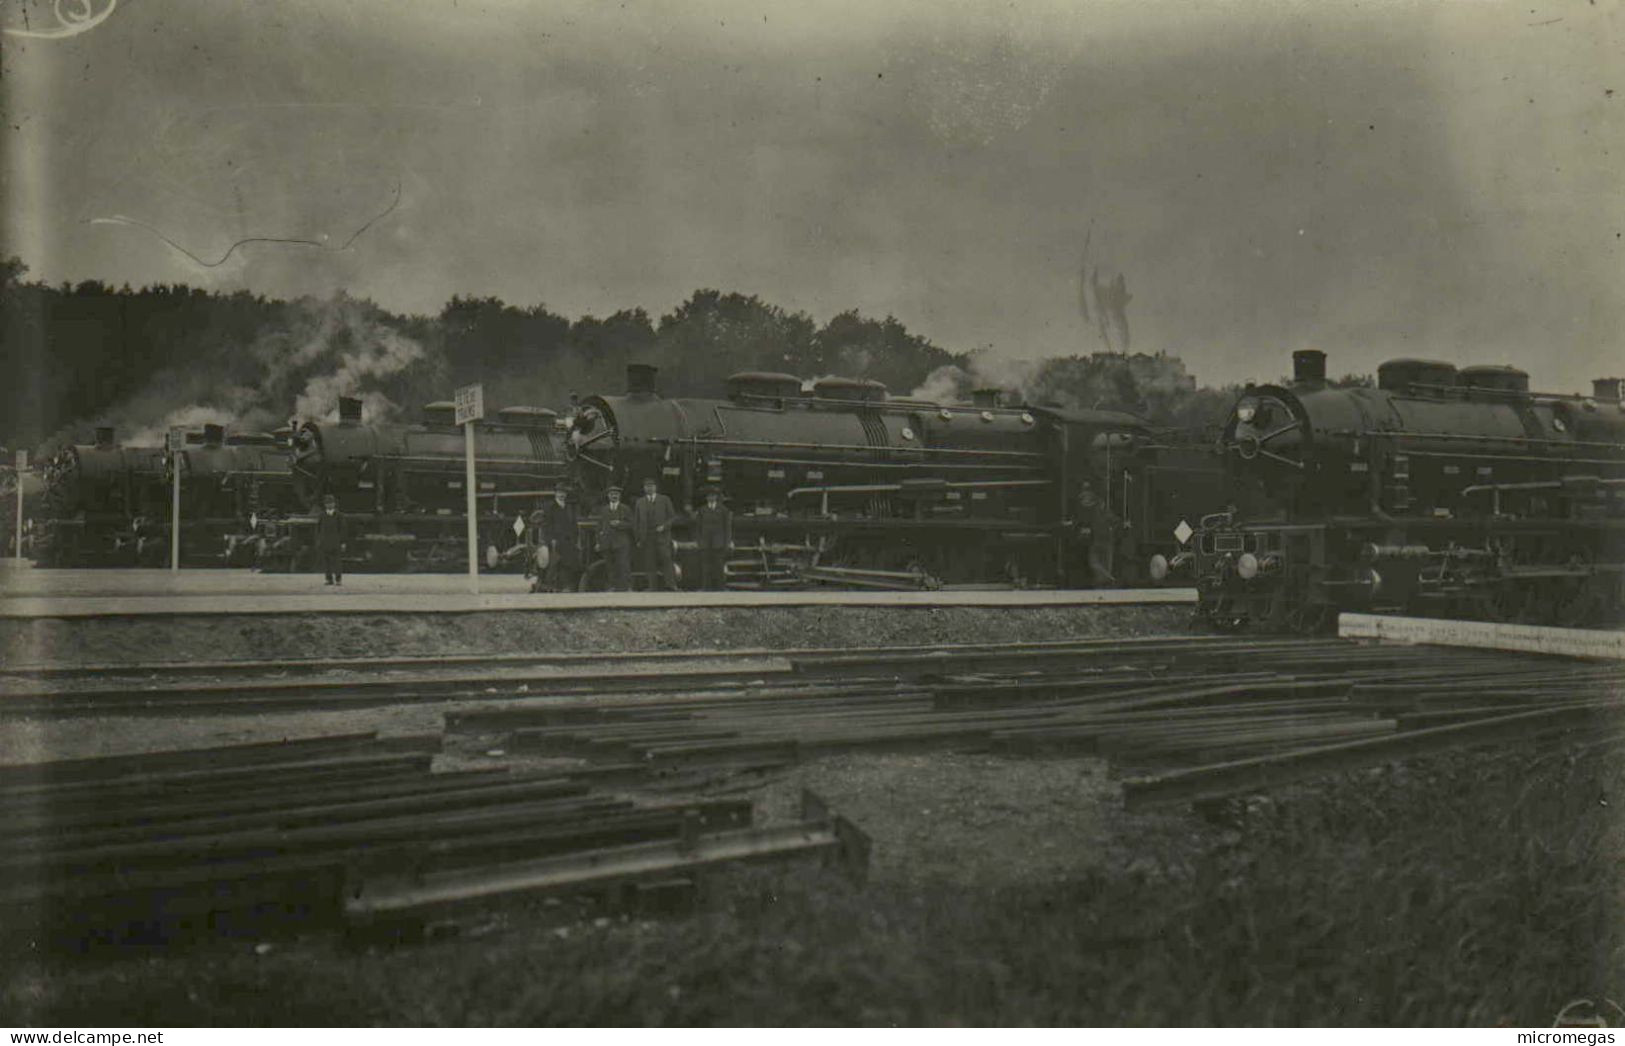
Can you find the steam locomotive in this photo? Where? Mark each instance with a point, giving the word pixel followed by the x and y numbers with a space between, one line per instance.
pixel 842 484
pixel 401 488
pixel 110 505
pixel 1444 491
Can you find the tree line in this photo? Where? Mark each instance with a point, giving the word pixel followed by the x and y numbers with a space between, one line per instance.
pixel 88 353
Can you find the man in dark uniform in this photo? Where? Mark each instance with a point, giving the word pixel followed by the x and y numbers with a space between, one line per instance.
pixel 615 541
pixel 653 516
pixel 330 540
pixel 563 538
pixel 714 529
pixel 1096 534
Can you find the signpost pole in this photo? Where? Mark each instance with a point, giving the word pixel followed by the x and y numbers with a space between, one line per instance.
pixel 473 519
pixel 470 404
pixel 177 440
pixel 22 466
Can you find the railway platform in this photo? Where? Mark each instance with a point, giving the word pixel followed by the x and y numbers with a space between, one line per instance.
pixel 1599 643
pixel 36 593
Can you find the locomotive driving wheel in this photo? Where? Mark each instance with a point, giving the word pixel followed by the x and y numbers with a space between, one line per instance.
pixel 1577 600
pixel 1501 600
pixel 1226 614
pixel 1312 618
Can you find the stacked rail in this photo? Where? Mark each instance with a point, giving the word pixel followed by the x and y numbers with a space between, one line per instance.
pixel 639 766
pixel 351 830
pixel 1181 721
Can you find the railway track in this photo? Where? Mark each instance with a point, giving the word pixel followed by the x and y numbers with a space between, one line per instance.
pixel 630 774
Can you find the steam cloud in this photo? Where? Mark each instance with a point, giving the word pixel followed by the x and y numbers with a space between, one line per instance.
pixel 332 348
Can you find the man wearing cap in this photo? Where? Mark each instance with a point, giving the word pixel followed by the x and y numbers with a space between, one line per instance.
pixel 714 530
pixel 615 540
pixel 653 516
pixel 330 540
pixel 1097 534
pixel 563 539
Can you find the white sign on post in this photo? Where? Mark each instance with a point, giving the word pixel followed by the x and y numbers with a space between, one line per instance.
pixel 176 443
pixel 470 403
pixel 470 406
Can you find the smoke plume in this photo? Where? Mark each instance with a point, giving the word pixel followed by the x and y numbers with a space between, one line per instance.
pixel 322 350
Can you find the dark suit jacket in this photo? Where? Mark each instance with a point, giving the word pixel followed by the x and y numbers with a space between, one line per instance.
pixel 650 515
pixel 329 531
pixel 562 531
pixel 713 527
pixel 614 527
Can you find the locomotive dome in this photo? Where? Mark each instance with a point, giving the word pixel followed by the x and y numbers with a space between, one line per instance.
pixel 528 417
pixel 766 384
pixel 1494 378
pixel 859 389
pixel 1401 374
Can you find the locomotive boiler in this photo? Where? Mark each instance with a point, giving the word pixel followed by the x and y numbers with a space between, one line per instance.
pixel 839 483
pixel 1439 491
pixel 401 487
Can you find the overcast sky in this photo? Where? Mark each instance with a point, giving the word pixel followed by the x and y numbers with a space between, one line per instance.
pixel 1373 179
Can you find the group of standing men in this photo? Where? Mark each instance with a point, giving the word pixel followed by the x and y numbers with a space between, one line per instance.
pixel 644 526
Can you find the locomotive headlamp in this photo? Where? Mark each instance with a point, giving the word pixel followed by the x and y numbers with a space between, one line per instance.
pixel 1026 419
pixel 987 415
pixel 1246 411
pixel 1158 567
pixel 907 432
pixel 1247 566
pixel 945 414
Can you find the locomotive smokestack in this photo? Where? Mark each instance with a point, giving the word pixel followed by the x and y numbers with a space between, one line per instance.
pixel 349 410
pixel 104 435
pixel 1606 390
pixel 1308 365
pixel 640 379
pixel 984 398
pixel 214 435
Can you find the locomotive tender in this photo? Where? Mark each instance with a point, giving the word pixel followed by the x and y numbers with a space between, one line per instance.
pixel 1444 491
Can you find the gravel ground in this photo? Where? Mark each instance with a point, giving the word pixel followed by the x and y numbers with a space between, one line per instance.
pixel 967 820
pixel 223 637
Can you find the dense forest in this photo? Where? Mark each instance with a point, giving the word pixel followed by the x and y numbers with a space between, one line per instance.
pixel 142 360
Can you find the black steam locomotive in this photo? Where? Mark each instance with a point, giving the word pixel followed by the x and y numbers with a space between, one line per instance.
pixel 1440 491
pixel 401 488
pixel 842 484
pixel 110 505
pixel 832 483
